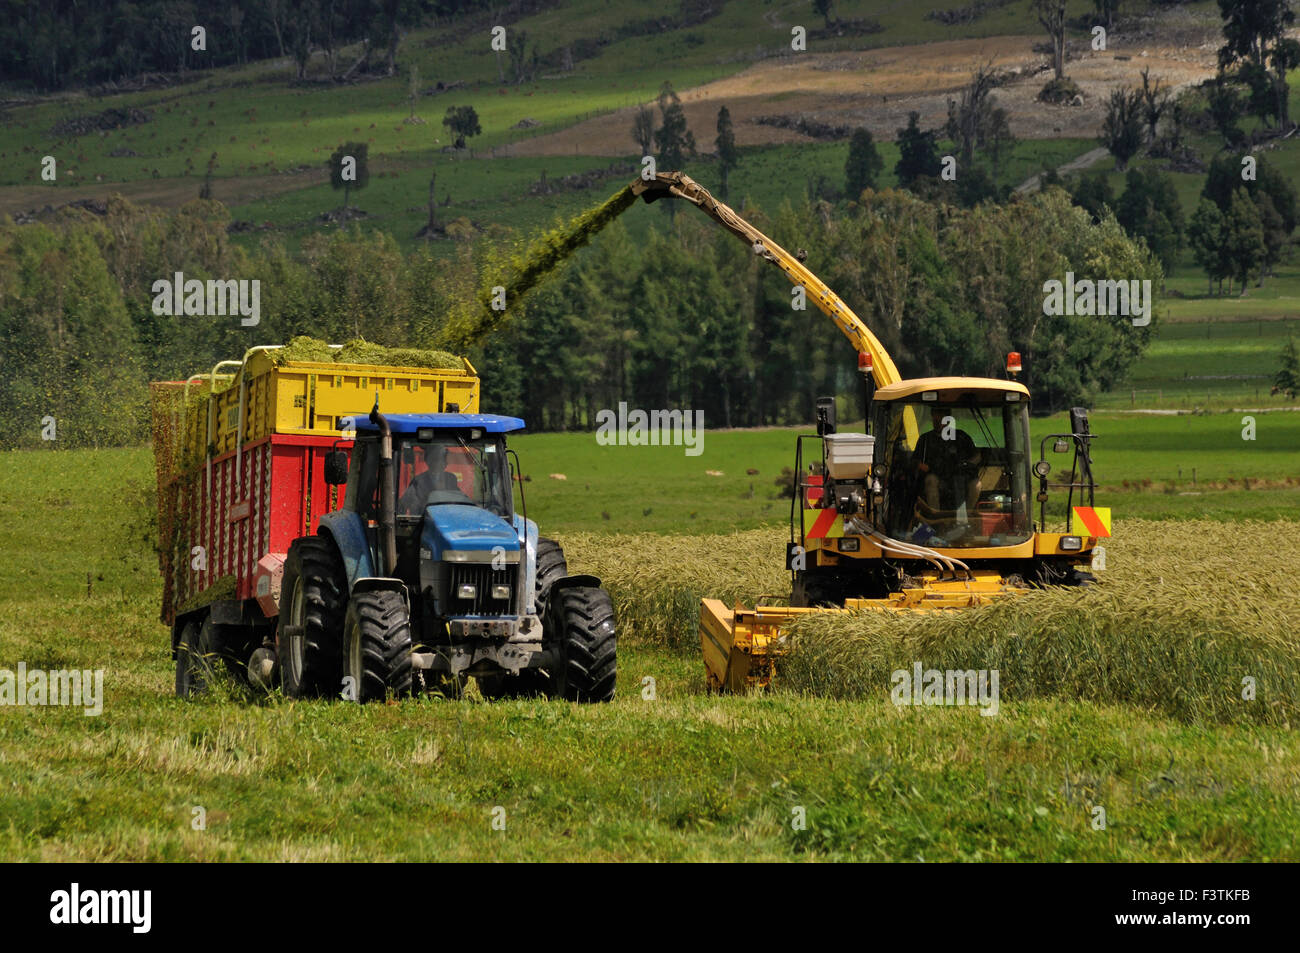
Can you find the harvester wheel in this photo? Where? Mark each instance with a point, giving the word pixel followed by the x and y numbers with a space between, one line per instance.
pixel 377 646
pixel 581 622
pixel 313 599
pixel 813 589
pixel 189 672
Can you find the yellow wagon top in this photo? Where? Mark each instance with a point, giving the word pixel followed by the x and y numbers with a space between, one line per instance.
pixel 265 393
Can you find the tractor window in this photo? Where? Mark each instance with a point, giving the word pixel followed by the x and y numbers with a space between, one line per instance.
pixel 448 469
pixel 958 477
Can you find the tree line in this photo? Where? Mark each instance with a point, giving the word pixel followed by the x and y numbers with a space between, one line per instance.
pixel 57 44
pixel 687 318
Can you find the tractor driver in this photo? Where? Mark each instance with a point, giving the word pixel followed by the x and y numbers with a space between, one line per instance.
pixel 435 477
pixel 941 463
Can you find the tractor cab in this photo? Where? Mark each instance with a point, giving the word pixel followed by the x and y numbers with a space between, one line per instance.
pixel 455 537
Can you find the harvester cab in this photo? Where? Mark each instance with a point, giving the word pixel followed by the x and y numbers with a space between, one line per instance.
pixel 427 575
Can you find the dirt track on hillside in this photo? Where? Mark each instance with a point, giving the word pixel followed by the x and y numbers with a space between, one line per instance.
pixel 878 88
pixel 238 190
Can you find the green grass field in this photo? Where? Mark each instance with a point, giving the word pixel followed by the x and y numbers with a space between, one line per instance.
pixel 1208 364
pixel 672 774
pixel 680 776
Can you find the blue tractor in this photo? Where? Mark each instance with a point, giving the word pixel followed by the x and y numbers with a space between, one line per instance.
pixel 427 576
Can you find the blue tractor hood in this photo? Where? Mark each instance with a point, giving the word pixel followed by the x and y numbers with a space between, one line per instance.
pixel 458 527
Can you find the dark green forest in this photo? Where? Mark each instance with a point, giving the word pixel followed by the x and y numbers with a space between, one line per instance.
pixel 62 43
pixel 690 318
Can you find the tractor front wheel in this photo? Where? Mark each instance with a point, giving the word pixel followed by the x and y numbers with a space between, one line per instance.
pixel 580 621
pixel 377 647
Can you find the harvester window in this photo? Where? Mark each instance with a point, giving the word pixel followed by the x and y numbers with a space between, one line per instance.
pixel 958 483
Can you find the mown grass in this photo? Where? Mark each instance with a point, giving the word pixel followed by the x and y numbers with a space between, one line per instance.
pixel 683 776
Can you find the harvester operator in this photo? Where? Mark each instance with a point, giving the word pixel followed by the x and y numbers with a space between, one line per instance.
pixel 942 463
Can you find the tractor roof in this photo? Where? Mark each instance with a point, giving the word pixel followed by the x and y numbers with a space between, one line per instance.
pixel 901 389
pixel 410 423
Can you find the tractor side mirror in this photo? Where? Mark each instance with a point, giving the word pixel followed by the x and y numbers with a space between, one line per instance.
pixel 336 467
pixel 825 416
pixel 1079 420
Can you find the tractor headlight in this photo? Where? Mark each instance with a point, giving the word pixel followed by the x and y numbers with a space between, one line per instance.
pixel 500 591
pixel 849 545
pixel 466 590
pixel 1071 543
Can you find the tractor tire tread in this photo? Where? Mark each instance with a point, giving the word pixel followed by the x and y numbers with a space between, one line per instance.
pixel 583 623
pixel 324 607
pixel 384 627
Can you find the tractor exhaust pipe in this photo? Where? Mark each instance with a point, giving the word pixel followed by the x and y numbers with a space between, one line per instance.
pixel 387 490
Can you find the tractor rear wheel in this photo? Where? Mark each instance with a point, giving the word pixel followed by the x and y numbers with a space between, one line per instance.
pixel 580 623
pixel 313 599
pixel 377 646
pixel 551 565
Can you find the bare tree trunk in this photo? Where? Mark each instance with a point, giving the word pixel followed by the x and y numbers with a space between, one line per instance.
pixel 390 58
pixel 363 58
pixel 273 10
